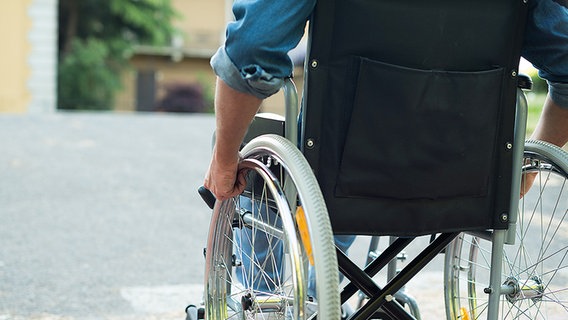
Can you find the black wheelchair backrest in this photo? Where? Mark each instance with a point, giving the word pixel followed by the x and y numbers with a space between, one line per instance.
pixel 409 112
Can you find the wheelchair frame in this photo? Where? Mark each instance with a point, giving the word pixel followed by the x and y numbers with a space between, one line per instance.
pixel 384 297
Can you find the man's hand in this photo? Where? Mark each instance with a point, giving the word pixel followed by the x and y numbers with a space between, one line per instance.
pixel 223 178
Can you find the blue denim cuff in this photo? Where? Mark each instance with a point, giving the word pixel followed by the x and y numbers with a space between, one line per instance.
pixel 250 79
pixel 559 93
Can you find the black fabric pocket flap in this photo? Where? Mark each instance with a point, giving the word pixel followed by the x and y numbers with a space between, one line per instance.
pixel 420 134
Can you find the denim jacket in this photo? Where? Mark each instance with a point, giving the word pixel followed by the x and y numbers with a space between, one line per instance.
pixel 255 57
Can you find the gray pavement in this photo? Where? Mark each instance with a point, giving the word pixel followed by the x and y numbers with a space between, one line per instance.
pixel 100 219
pixel 99 215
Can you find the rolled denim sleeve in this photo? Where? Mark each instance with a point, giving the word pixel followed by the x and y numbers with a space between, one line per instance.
pixel 546 45
pixel 255 57
pixel 252 80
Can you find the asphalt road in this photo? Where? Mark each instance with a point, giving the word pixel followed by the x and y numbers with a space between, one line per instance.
pixel 99 215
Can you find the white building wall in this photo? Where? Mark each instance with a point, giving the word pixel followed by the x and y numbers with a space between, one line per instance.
pixel 42 60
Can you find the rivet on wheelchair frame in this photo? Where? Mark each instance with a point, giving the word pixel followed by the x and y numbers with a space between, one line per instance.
pixel 310 143
pixel 389 298
pixel 314 63
pixel 488 290
pixel 504 217
pixel 514 73
pixel 509 145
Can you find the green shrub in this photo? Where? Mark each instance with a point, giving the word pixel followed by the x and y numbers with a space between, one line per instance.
pixel 96 38
pixel 86 80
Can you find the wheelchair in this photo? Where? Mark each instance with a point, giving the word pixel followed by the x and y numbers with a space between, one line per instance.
pixel 412 124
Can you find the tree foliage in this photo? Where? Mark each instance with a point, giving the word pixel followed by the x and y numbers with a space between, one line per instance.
pixel 96 38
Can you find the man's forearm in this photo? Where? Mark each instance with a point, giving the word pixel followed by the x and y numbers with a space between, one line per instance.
pixel 234 112
pixel 553 124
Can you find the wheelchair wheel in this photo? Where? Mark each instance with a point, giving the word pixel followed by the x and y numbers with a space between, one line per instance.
pixel 270 252
pixel 535 268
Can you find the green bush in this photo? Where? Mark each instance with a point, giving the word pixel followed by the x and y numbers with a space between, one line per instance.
pixel 95 40
pixel 86 80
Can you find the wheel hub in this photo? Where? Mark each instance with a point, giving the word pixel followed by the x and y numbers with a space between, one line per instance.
pixel 519 289
pixel 252 303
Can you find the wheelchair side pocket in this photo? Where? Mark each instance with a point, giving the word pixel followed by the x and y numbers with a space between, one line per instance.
pixel 420 134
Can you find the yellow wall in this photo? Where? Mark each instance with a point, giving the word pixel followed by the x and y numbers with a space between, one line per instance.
pixel 203 25
pixel 202 22
pixel 167 72
pixel 14 70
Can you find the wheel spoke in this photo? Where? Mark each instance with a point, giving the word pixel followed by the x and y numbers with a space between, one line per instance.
pixel 536 266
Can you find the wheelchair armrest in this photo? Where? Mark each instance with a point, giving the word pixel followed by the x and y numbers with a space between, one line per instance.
pixel 265 123
pixel 524 82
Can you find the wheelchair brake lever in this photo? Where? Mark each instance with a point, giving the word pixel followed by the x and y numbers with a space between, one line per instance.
pixel 207 196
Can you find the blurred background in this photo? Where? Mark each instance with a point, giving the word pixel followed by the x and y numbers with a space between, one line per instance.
pixel 119 55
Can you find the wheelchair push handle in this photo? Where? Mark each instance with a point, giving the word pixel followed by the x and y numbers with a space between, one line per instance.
pixel 207 196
